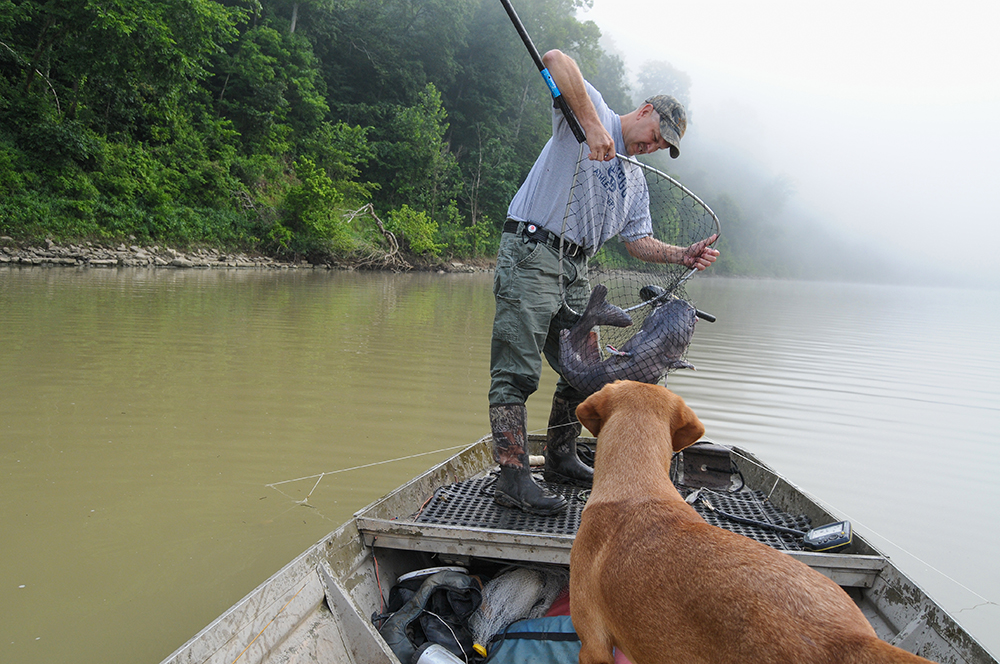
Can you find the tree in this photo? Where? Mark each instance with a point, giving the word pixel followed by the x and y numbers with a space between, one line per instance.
pixel 414 160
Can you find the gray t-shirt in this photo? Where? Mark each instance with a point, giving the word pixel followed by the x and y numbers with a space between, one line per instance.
pixel 609 198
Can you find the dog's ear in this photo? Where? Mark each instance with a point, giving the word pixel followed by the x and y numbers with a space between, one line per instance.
pixel 589 412
pixel 685 426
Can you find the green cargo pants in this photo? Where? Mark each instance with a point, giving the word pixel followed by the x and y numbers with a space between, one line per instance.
pixel 529 316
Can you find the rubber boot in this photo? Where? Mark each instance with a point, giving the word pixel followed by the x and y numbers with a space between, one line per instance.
pixel 562 465
pixel 516 487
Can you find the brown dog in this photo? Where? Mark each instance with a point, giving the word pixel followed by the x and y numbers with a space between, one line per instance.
pixel 649 576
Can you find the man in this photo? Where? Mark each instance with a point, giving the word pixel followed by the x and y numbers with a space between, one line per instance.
pixel 530 311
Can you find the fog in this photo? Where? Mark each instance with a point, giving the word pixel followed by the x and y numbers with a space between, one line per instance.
pixel 883 117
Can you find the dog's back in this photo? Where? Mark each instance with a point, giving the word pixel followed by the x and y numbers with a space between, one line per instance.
pixel 650 576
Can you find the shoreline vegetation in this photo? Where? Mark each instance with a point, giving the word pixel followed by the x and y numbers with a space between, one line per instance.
pixel 365 134
pixel 383 134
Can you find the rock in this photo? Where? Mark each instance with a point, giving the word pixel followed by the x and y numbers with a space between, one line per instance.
pixel 89 254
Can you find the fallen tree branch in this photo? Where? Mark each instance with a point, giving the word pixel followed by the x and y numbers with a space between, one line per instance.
pixel 391 258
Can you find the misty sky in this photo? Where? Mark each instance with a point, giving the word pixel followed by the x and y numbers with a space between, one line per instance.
pixel 884 114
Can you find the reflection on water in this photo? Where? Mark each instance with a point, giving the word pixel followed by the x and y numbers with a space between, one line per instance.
pixel 145 413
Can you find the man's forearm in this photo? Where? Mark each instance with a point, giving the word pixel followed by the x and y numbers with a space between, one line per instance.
pixel 651 250
pixel 569 80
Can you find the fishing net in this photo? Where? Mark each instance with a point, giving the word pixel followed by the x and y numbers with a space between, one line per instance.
pixel 521 592
pixel 651 295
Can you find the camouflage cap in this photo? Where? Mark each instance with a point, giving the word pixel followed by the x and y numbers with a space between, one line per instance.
pixel 673 121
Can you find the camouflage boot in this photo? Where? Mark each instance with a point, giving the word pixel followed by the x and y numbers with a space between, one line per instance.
pixel 562 465
pixel 516 487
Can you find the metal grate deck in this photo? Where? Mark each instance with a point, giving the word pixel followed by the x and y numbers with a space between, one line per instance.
pixel 470 504
pixel 753 505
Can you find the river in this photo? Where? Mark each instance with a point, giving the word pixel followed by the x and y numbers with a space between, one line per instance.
pixel 155 424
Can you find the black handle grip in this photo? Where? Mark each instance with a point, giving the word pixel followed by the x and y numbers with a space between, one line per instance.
pixel 704 315
pixel 557 97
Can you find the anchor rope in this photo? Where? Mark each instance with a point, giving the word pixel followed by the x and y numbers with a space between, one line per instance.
pixel 320 476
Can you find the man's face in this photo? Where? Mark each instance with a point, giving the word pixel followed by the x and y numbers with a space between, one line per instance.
pixel 644 137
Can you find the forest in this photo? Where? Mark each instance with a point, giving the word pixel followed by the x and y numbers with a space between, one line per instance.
pixel 338 128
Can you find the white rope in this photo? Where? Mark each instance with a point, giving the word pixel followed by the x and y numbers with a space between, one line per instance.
pixel 366 465
pixel 319 477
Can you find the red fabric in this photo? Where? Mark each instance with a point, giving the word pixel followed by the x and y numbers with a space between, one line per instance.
pixel 560 607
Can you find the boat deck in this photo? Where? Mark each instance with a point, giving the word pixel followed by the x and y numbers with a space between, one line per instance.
pixel 470 505
pixel 459 520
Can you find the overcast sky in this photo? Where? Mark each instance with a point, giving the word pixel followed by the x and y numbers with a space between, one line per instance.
pixel 884 114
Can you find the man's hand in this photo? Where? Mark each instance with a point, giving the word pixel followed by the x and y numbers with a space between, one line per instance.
pixel 602 146
pixel 700 254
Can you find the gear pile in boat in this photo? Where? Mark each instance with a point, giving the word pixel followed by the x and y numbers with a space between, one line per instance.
pixel 445 614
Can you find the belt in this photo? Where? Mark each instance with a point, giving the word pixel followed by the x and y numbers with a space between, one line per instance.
pixel 539 234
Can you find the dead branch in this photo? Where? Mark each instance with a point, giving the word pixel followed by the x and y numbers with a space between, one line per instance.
pixel 391 259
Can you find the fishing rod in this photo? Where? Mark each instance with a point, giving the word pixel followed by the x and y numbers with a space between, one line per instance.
pixel 557 97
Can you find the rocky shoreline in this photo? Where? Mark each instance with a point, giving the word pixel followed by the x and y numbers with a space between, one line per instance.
pixel 89 254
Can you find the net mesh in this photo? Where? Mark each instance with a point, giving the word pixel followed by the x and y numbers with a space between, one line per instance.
pixel 650 295
pixel 521 592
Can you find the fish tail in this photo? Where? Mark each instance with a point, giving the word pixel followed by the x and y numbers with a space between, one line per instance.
pixel 601 312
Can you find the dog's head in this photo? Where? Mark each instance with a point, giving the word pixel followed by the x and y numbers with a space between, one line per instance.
pixel 629 398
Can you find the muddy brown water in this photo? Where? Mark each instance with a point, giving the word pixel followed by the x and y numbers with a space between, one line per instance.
pixel 155 424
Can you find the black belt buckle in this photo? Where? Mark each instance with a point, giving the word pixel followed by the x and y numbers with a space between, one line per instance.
pixel 568 248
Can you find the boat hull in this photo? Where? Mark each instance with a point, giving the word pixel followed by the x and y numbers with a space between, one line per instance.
pixel 319 606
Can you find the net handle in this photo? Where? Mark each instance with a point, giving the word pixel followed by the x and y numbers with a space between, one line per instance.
pixel 557 97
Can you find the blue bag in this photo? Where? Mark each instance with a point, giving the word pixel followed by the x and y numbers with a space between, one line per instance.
pixel 550 640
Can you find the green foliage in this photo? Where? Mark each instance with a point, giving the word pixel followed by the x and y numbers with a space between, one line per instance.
pixel 315 207
pixel 267 83
pixel 413 158
pixel 416 229
pixel 265 123
pixel 268 124
pixel 477 239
